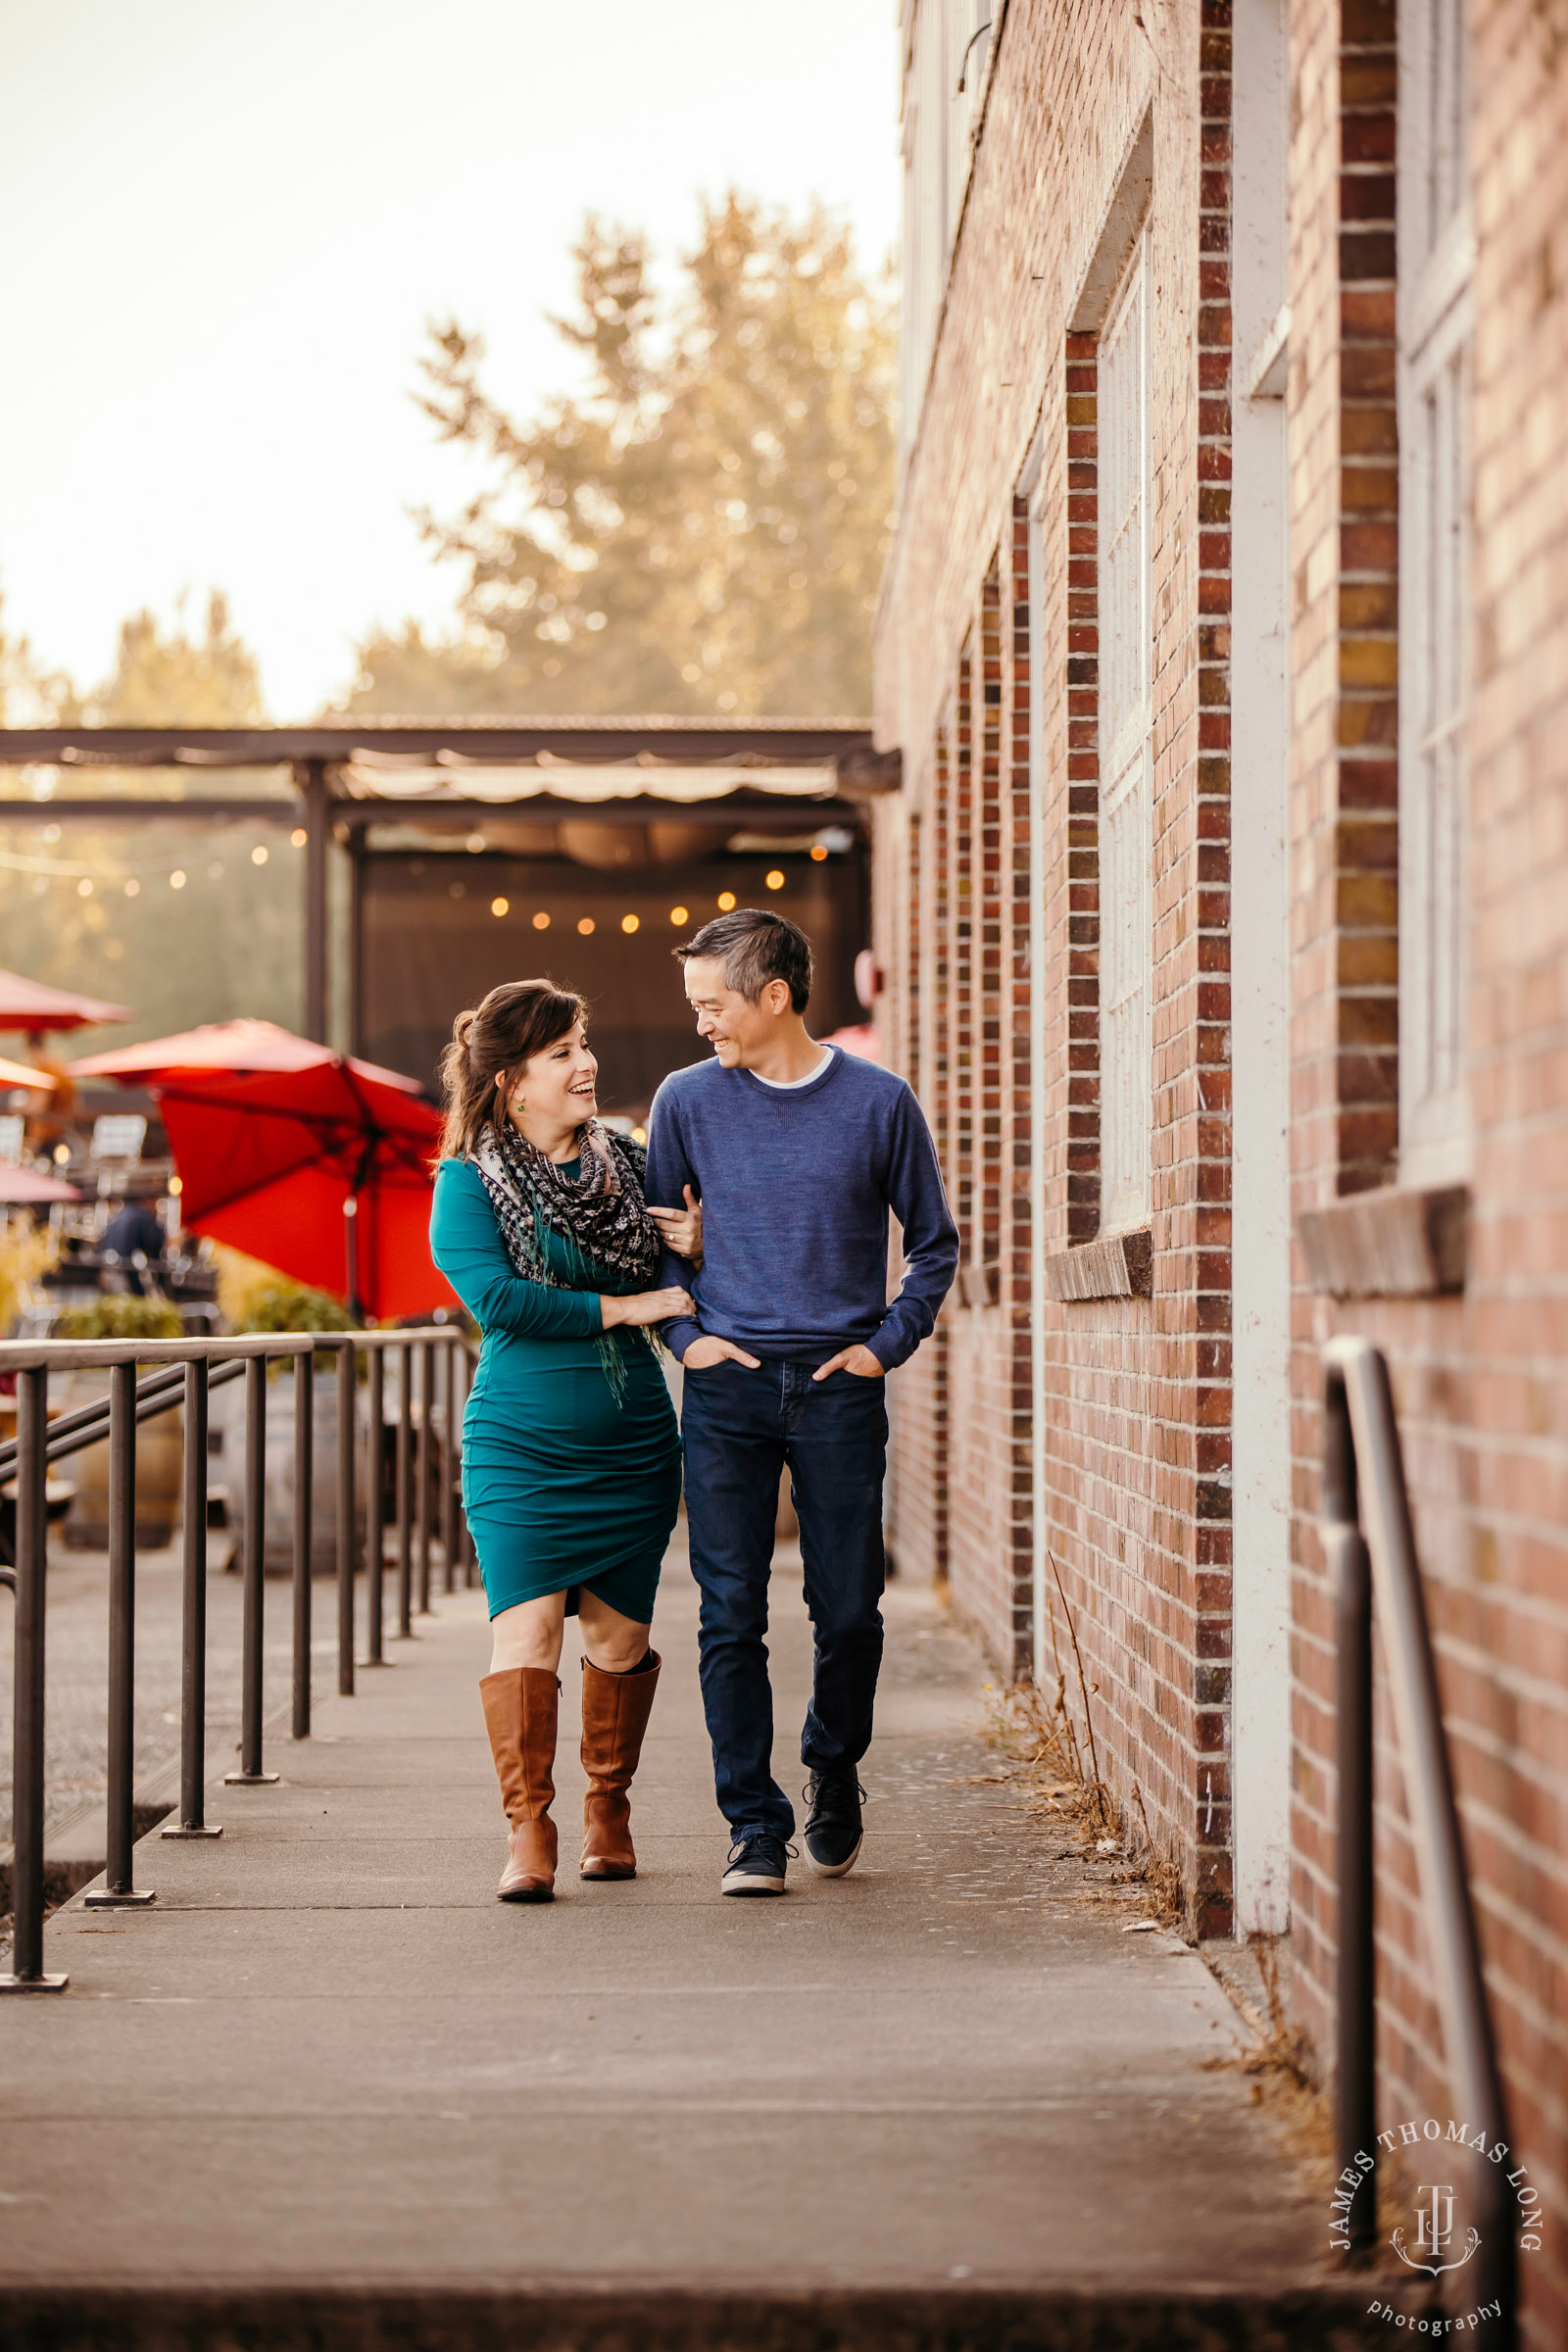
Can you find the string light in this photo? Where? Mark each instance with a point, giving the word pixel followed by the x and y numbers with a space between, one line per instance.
pixel 818 852
pixel 84 888
pixel 177 880
pixel 540 921
pixel 475 844
pixel 259 855
pixel 726 899
pixel 134 888
pixel 678 914
pixel 500 905
pixel 775 880
pixel 628 923
pixel 298 838
pixel 586 926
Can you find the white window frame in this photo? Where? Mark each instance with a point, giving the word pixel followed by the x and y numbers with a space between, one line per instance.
pixel 1436 334
pixel 1126 639
pixel 1033 489
pixel 938 126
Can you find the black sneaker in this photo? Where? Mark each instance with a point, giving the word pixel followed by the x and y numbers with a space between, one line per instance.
pixel 833 1827
pixel 757 1860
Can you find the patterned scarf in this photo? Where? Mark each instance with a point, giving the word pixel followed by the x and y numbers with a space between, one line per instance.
pixel 609 1240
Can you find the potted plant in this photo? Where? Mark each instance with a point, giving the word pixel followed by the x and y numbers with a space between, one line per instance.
pixel 254 1298
pixel 159 1442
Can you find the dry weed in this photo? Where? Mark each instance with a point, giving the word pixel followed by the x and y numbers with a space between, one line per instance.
pixel 26 1253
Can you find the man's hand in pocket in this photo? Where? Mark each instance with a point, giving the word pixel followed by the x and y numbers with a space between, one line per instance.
pixel 709 1349
pixel 859 1360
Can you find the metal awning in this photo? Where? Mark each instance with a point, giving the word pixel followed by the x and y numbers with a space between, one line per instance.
pixel 353 774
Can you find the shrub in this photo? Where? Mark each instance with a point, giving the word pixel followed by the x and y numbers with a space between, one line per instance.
pixel 123 1317
pixel 284 1306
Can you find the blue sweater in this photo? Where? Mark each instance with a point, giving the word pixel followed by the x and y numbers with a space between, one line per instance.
pixel 796 1185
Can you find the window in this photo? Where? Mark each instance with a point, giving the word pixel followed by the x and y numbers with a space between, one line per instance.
pixel 1436 261
pixel 939 121
pixel 1126 755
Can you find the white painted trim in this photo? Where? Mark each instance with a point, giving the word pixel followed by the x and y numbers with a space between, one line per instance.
pixel 1033 491
pixel 1126 737
pixel 1436 248
pixel 1261 1224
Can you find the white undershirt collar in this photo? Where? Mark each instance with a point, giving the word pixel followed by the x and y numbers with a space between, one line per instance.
pixel 785 1086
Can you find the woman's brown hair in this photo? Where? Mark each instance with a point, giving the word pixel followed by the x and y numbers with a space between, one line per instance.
pixel 518 1018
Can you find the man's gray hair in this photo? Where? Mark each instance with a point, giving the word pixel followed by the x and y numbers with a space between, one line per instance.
pixel 756 945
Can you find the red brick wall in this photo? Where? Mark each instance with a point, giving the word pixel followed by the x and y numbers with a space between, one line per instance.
pixel 1137 1438
pixel 1344 962
pixel 1137 1499
pixel 1506 1659
pixel 1480 1380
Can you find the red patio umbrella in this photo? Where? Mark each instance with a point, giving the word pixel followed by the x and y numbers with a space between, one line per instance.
pixel 28 1005
pixel 313 1161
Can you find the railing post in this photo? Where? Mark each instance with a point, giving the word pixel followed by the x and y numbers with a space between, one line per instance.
pixel 448 1465
pixel 1453 1941
pixel 252 1600
pixel 117 1891
pixel 192 1822
pixel 346 1515
pixel 422 1465
pixel 404 1521
pixel 26 1973
pixel 375 1515
pixel 1351 1590
pixel 303 1515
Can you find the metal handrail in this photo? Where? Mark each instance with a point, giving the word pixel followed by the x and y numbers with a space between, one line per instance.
pixel 73 1432
pixel 1369 1546
pixel 185 1371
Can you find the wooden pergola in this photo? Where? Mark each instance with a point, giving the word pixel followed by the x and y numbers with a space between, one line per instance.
pixel 347 775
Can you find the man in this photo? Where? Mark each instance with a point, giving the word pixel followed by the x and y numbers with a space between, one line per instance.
pixel 135 1237
pixel 797 1153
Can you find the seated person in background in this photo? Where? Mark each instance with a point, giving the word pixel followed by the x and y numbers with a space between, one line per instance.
pixel 133 1230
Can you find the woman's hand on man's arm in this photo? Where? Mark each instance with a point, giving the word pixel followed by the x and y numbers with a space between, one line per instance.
pixel 645 1306
pixel 682 1228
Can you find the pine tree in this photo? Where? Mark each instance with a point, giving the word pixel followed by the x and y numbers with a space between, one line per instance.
pixel 703 527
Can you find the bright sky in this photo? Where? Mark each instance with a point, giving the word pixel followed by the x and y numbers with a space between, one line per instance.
pixel 227 222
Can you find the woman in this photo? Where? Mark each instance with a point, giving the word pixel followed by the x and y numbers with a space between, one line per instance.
pixel 571 1452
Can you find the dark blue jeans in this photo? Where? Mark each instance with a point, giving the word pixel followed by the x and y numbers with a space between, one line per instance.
pixel 739 1429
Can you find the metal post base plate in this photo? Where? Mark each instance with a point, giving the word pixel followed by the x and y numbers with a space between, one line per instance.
pixel 374 1665
pixel 104 1898
pixel 34 1983
pixel 249 1780
pixel 184 1829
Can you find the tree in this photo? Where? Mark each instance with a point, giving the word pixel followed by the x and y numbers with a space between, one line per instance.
pixel 32 696
pixel 96 907
pixel 199 682
pixel 703 527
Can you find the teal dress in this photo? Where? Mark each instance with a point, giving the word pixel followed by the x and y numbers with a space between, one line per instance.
pixel 565 1488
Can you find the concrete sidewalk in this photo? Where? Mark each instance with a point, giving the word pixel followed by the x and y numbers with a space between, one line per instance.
pixel 327 2066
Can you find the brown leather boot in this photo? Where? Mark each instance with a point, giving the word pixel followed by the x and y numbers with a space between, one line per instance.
pixel 520 1711
pixel 616 1708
